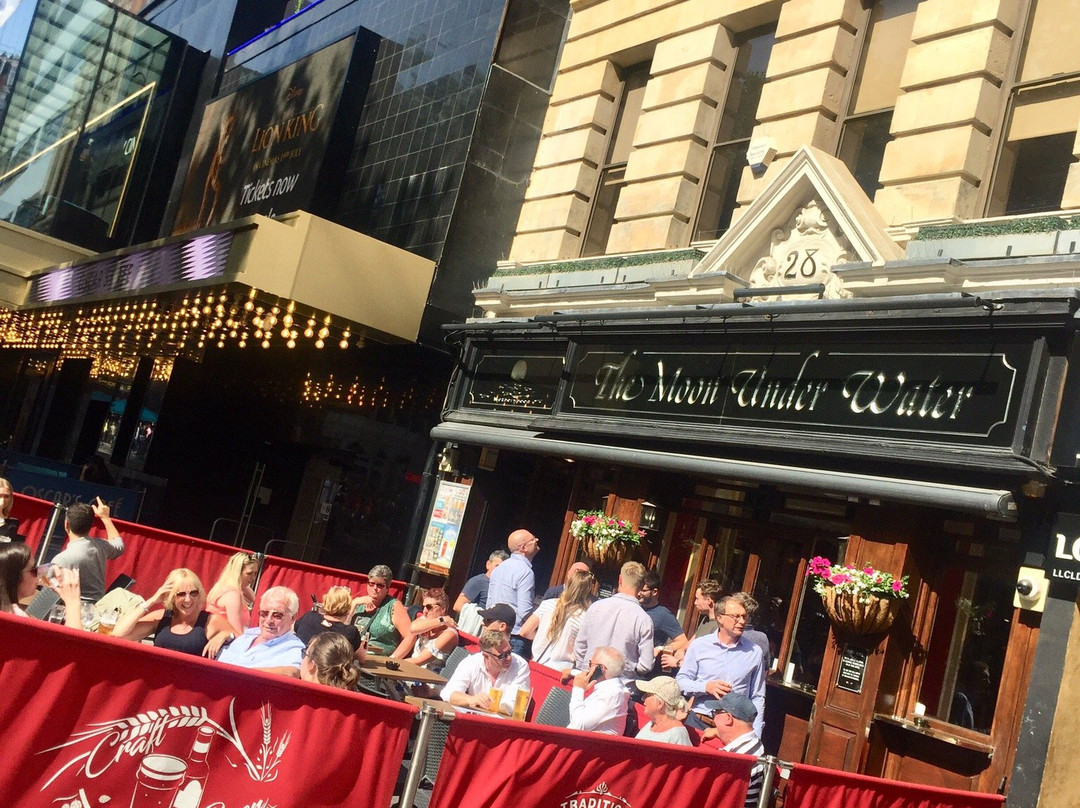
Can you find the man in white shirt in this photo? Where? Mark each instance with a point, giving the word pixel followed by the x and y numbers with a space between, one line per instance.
pixel 604 709
pixel 619 622
pixel 495 667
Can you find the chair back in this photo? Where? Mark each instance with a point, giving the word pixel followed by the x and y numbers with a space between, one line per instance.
pixel 555 711
pixel 459 653
pixel 469 619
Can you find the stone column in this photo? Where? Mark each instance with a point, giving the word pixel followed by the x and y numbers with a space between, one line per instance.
pixel 566 170
pixel 950 103
pixel 804 88
pixel 670 154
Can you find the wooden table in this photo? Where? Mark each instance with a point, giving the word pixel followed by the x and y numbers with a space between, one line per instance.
pixel 402 672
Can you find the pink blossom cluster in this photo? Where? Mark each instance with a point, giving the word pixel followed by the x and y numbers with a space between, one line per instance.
pixel 848 578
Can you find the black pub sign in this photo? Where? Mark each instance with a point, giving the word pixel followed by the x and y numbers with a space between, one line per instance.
pixel 1063 559
pixel 956 394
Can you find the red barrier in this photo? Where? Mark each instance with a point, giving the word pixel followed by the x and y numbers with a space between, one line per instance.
pixel 504 764
pixel 93 720
pixel 815 787
pixel 150 554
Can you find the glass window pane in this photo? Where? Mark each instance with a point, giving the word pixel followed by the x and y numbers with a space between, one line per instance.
pixel 744 90
pixel 862 148
pixel 887 43
pixel 1034 171
pixel 967 649
pixel 634 80
pixel 1054 27
pixel 720 195
pixel 603 211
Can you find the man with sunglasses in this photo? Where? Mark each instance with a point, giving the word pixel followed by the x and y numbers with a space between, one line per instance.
pixel 495 667
pixel 722 663
pixel 272 646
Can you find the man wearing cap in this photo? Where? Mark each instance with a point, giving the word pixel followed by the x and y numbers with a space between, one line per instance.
pixel 513 582
pixel 724 662
pixel 499 617
pixel 665 707
pixel 604 709
pixel 619 622
pixel 495 667
pixel 733 716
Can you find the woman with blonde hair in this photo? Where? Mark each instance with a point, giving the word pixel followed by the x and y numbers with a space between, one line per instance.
pixel 9 526
pixel 554 625
pixel 230 599
pixel 329 660
pixel 174 613
pixel 336 610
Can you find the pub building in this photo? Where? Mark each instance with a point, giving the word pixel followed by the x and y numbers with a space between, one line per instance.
pixel 870 407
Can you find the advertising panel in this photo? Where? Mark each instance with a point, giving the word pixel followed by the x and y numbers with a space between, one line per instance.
pixel 261 148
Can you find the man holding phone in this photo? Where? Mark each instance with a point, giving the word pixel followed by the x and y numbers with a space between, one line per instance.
pixel 604 709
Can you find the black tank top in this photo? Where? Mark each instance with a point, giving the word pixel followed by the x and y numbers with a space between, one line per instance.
pixel 190 643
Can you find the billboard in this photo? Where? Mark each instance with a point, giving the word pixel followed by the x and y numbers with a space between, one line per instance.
pixel 261 149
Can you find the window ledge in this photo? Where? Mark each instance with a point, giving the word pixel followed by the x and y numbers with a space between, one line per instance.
pixel 936 734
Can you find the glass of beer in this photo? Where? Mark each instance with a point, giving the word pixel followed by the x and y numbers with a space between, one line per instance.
pixel 495 694
pixel 521 703
pixel 107 621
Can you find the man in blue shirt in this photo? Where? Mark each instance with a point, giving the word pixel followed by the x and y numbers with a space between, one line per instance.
pixel 272 646
pixel 513 583
pixel 476 588
pixel 668 635
pixel 722 663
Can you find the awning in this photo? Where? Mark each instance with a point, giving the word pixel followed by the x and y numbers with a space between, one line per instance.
pixel 940 495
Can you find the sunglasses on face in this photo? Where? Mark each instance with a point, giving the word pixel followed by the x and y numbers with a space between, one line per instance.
pixel 265 615
pixel 194 593
pixel 505 655
pixel 430 607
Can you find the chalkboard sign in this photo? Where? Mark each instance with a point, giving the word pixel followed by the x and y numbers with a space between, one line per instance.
pixel 852 669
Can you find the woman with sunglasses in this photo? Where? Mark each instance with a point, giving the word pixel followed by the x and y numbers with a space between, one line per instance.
pixel 385 619
pixel 174 614
pixel 436 634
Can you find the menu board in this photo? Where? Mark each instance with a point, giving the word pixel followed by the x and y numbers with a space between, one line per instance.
pixel 444 524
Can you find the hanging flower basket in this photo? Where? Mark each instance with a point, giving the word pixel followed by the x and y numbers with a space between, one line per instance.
pixel 605 540
pixel 858 600
pixel 872 615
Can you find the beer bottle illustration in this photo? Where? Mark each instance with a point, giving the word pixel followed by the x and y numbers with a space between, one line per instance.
pixel 191 792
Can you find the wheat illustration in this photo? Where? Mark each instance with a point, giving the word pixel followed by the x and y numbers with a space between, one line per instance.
pixel 139 734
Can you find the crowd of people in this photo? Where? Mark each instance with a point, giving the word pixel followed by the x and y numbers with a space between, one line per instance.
pixel 709 689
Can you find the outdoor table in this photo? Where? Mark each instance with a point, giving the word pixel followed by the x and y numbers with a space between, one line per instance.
pixel 379 668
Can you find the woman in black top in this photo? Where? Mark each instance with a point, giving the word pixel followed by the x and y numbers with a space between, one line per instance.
pixel 179 623
pixel 336 610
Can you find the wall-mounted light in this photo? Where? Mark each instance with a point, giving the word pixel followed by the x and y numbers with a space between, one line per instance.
pixel 648 516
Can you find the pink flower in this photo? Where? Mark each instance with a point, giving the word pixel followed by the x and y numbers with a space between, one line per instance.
pixel 897 586
pixel 838 579
pixel 868 570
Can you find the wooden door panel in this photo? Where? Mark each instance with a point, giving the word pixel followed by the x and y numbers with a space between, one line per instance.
pixel 836 748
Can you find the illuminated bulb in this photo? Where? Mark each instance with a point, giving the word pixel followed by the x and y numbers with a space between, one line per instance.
pixel 319 343
pixel 308 333
pixel 287 319
pixel 266 343
pixel 249 305
pixel 324 333
pixel 343 344
pixel 221 343
pixel 285 333
pixel 291 343
pixel 242 343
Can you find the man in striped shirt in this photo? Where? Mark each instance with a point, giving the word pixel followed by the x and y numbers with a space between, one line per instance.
pixel 733 720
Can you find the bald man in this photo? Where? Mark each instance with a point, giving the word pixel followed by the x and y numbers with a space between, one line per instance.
pixel 554 591
pixel 513 583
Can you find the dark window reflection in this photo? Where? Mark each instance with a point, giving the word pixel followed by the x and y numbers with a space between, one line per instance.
pixel 862 148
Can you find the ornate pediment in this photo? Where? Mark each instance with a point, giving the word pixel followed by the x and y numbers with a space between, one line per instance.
pixel 803 254
pixel 812 217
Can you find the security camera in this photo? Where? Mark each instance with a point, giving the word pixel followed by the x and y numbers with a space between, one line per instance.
pixel 1027 588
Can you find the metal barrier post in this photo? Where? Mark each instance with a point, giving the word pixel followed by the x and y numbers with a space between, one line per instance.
pixel 772 764
pixel 46 539
pixel 428 716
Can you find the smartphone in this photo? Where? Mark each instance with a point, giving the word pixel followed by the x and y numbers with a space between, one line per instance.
pixel 597 674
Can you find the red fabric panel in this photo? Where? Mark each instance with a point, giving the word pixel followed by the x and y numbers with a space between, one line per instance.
pixel 81 712
pixel 812 786
pixel 543 680
pixel 507 764
pixel 310 579
pixel 33 515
